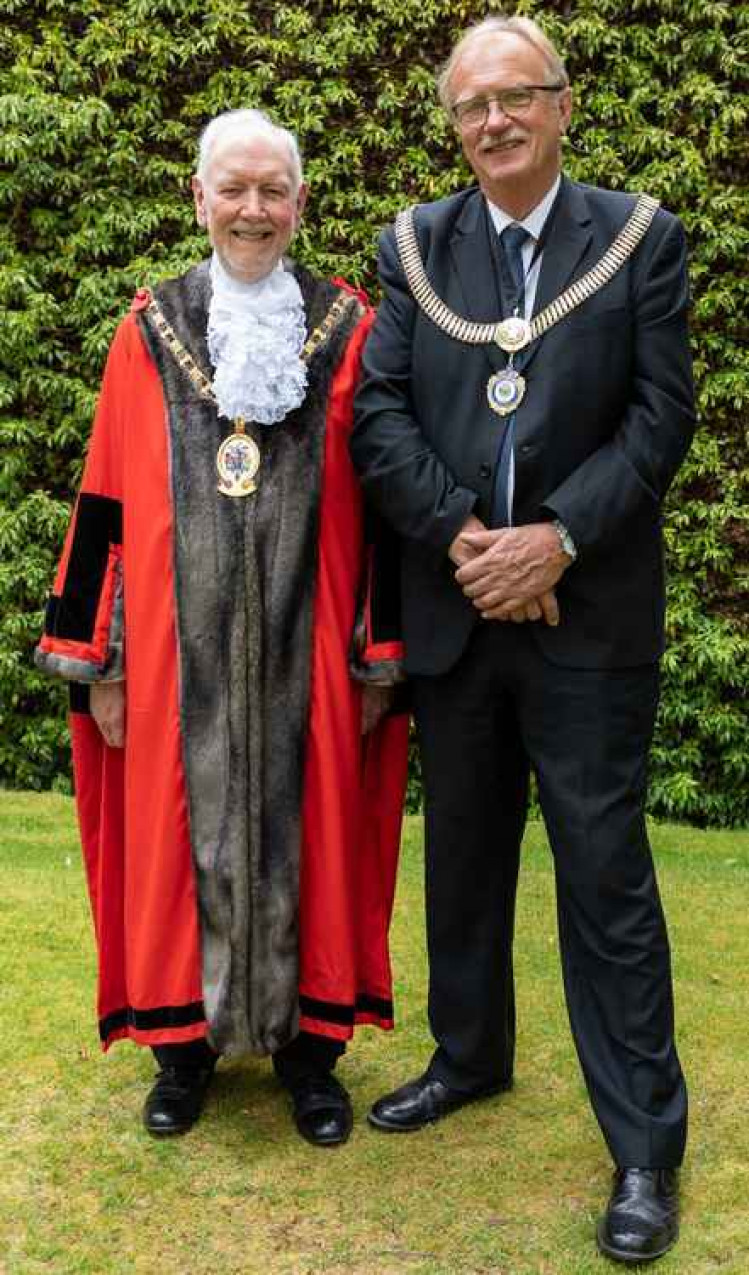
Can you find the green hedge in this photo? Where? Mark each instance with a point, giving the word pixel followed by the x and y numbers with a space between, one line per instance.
pixel 100 105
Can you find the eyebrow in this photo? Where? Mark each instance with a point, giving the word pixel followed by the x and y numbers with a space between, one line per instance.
pixel 508 88
pixel 275 179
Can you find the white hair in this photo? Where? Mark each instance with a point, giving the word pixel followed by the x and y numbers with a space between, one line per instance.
pixel 244 125
pixel 525 28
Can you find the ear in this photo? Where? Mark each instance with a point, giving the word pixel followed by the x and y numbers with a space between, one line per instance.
pixel 301 201
pixel 198 192
pixel 565 110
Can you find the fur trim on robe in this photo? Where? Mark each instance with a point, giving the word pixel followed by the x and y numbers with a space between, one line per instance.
pixel 246 592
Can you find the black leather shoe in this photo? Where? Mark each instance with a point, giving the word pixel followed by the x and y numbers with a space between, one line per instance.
pixel 176 1100
pixel 642 1218
pixel 421 1102
pixel 322 1109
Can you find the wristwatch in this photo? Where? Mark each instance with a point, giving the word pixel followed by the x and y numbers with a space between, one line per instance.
pixel 565 539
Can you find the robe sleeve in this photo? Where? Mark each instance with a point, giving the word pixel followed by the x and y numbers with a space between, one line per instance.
pixel 376 655
pixel 83 639
pixel 376 647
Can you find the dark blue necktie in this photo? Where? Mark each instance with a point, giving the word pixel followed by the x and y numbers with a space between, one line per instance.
pixel 511 242
pixel 513 294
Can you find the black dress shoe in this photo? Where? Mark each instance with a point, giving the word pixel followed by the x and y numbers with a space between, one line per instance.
pixel 176 1100
pixel 322 1108
pixel 642 1219
pixel 421 1102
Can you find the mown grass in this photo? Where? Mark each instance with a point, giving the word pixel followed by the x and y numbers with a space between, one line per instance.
pixel 511 1186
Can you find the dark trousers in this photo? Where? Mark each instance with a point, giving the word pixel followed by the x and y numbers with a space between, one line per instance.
pixel 306 1053
pixel 499 710
pixel 193 1055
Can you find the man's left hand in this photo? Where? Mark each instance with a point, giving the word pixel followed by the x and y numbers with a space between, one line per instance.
pixel 514 565
pixel 545 607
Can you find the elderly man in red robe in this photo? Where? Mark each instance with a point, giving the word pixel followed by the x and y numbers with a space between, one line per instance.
pixel 239 772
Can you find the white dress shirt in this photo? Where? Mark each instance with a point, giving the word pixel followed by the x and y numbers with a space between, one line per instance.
pixel 534 224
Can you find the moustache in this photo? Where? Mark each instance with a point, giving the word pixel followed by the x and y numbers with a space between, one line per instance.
pixel 499 145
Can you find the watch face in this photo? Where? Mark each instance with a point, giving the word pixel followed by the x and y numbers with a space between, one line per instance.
pixel 565 539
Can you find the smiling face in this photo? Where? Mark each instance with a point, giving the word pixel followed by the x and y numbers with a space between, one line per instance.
pixel 249 205
pixel 515 158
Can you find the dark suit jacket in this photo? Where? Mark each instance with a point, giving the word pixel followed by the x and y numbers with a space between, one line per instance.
pixel 606 420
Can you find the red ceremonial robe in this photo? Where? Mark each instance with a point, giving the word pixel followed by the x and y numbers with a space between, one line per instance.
pixel 150 891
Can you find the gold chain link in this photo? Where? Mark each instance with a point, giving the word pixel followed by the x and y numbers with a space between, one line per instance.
pixel 343 303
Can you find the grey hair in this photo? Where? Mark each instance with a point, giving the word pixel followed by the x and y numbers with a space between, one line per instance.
pixel 243 125
pixel 526 28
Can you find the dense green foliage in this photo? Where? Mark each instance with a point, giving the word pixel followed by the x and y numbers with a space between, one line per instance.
pixel 100 106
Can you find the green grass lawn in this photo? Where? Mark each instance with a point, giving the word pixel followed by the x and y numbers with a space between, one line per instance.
pixel 510 1186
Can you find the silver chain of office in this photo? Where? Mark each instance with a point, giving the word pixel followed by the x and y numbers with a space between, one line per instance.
pixel 508 334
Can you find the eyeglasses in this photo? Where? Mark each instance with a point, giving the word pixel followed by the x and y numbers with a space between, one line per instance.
pixel 515 101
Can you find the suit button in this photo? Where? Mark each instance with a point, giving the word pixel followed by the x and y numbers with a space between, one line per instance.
pixel 485 471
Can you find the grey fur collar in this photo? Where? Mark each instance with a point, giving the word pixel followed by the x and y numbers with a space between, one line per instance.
pixel 245 577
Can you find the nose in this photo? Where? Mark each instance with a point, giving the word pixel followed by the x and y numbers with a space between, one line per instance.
pixel 495 116
pixel 252 204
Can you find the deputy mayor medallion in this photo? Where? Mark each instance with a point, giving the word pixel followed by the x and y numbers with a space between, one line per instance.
pixel 505 391
pixel 237 462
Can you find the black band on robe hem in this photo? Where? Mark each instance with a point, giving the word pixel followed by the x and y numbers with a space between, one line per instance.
pixel 186 1015
pixel 332 1012
pixel 152 1019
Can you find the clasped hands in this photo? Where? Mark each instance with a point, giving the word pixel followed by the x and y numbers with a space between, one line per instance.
pixel 509 573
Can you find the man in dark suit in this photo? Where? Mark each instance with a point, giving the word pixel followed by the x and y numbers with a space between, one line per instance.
pixel 524 468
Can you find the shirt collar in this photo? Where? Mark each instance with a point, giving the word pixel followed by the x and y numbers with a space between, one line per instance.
pixel 534 222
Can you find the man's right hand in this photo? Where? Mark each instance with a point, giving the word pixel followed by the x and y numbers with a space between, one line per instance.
pixel 460 552
pixel 544 607
pixel 107 703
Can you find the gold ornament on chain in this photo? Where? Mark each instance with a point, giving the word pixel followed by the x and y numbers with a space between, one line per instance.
pixel 237 462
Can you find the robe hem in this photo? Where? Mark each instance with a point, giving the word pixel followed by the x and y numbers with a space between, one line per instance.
pixel 335 1031
pixel 173 1035
pixel 158 1036
pixel 146 1022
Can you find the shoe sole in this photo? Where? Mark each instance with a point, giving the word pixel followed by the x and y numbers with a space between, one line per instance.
pixel 336 1141
pixel 385 1127
pixel 627 1258
pixel 325 1143
pixel 168 1133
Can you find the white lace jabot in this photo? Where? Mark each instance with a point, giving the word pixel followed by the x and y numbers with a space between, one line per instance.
pixel 256 332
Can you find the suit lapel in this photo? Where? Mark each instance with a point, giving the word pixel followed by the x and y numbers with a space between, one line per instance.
pixel 569 240
pixel 473 288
